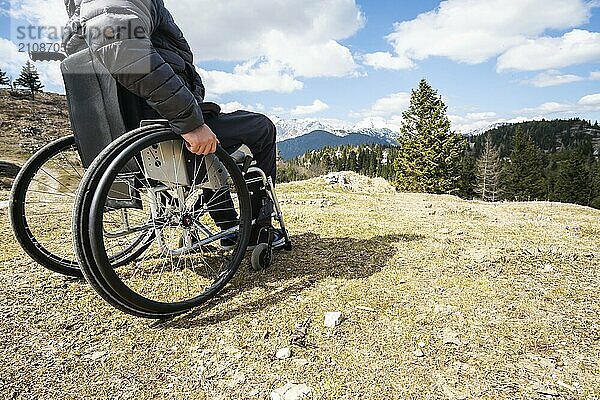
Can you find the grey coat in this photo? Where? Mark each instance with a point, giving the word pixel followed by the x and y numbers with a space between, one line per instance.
pixel 144 50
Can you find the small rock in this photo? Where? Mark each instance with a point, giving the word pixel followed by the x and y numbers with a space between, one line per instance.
pixel 300 361
pixel 333 319
pixel 452 393
pixel 548 268
pixel 419 353
pixel 451 337
pixel 547 392
pixel 237 380
pixel 421 344
pixel 564 385
pixel 444 309
pixel 97 355
pixel 253 393
pixel 284 353
pixel 291 391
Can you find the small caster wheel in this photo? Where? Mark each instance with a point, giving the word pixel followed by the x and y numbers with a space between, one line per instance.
pixel 261 257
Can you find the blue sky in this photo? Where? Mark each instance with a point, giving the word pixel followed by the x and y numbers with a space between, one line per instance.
pixel 356 61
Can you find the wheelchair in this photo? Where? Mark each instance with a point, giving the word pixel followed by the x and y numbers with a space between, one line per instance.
pixel 155 229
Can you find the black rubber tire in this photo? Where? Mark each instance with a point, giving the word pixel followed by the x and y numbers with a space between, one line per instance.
pixel 81 239
pixel 88 222
pixel 262 255
pixel 18 217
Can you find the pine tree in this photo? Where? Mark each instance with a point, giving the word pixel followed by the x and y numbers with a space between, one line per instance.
pixel 525 179
pixel 468 178
pixel 4 79
pixel 30 79
pixel 352 163
pixel 572 177
pixel 489 173
pixel 429 154
pixel 595 184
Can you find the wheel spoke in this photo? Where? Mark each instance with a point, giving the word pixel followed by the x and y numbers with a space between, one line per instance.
pixel 171 271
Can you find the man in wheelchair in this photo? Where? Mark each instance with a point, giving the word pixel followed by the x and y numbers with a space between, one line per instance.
pixel 139 45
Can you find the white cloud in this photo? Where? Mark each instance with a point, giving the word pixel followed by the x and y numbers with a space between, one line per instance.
pixel 51 76
pixel 553 78
pixel 309 60
pixel 474 31
pixel 301 36
pixel 257 76
pixel 575 47
pixel 590 100
pixel 236 105
pixel 551 107
pixel 393 104
pixel 587 104
pixel 11 61
pixel 472 121
pixel 49 15
pixel 478 122
pixel 316 107
pixel 595 76
pixel 46 13
pixel 481 115
pixel 385 60
pixel 385 112
pixel 292 39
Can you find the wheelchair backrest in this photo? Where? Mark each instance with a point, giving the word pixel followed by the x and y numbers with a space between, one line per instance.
pixel 93 104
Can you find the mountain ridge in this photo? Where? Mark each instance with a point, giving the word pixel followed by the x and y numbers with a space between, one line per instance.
pixel 292 128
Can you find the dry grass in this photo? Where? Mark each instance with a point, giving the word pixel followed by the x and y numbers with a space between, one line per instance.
pixel 26 125
pixel 514 287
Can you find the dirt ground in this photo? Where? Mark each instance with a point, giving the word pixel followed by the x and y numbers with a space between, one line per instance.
pixel 442 298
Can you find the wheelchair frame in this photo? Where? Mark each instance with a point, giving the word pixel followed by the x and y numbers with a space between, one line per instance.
pixel 261 255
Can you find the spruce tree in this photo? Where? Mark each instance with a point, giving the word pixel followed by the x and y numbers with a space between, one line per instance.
pixel 468 179
pixel 595 184
pixel 30 79
pixel 351 163
pixel 489 173
pixel 525 179
pixel 429 153
pixel 572 179
pixel 4 80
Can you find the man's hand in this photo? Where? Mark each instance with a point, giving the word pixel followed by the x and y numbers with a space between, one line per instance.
pixel 201 141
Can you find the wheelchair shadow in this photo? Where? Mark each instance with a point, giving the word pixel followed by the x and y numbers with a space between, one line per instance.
pixel 313 259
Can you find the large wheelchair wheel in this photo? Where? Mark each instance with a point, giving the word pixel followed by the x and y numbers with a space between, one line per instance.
pixel 42 195
pixel 41 202
pixel 195 209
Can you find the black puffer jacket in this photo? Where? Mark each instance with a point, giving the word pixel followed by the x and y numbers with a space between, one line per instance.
pixel 144 50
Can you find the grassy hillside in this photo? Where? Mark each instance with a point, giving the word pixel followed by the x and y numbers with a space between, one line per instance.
pixel 550 136
pixel 443 298
pixel 26 125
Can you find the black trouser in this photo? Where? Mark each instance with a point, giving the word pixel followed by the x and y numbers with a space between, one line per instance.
pixel 258 133
pixel 254 130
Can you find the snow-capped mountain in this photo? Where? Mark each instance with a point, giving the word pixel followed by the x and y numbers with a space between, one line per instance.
pixel 480 131
pixel 293 128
